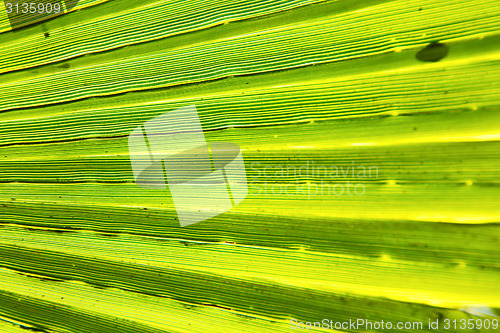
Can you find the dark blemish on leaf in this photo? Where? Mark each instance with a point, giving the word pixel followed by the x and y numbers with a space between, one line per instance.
pixel 108 234
pixel 43 278
pixel 47 35
pixel 414 128
pixel 59 231
pixel 32 329
pixel 65 65
pixel 433 52
pixel 218 306
pixel 50 279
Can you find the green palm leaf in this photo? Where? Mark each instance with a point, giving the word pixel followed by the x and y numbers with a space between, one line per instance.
pixel 310 91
